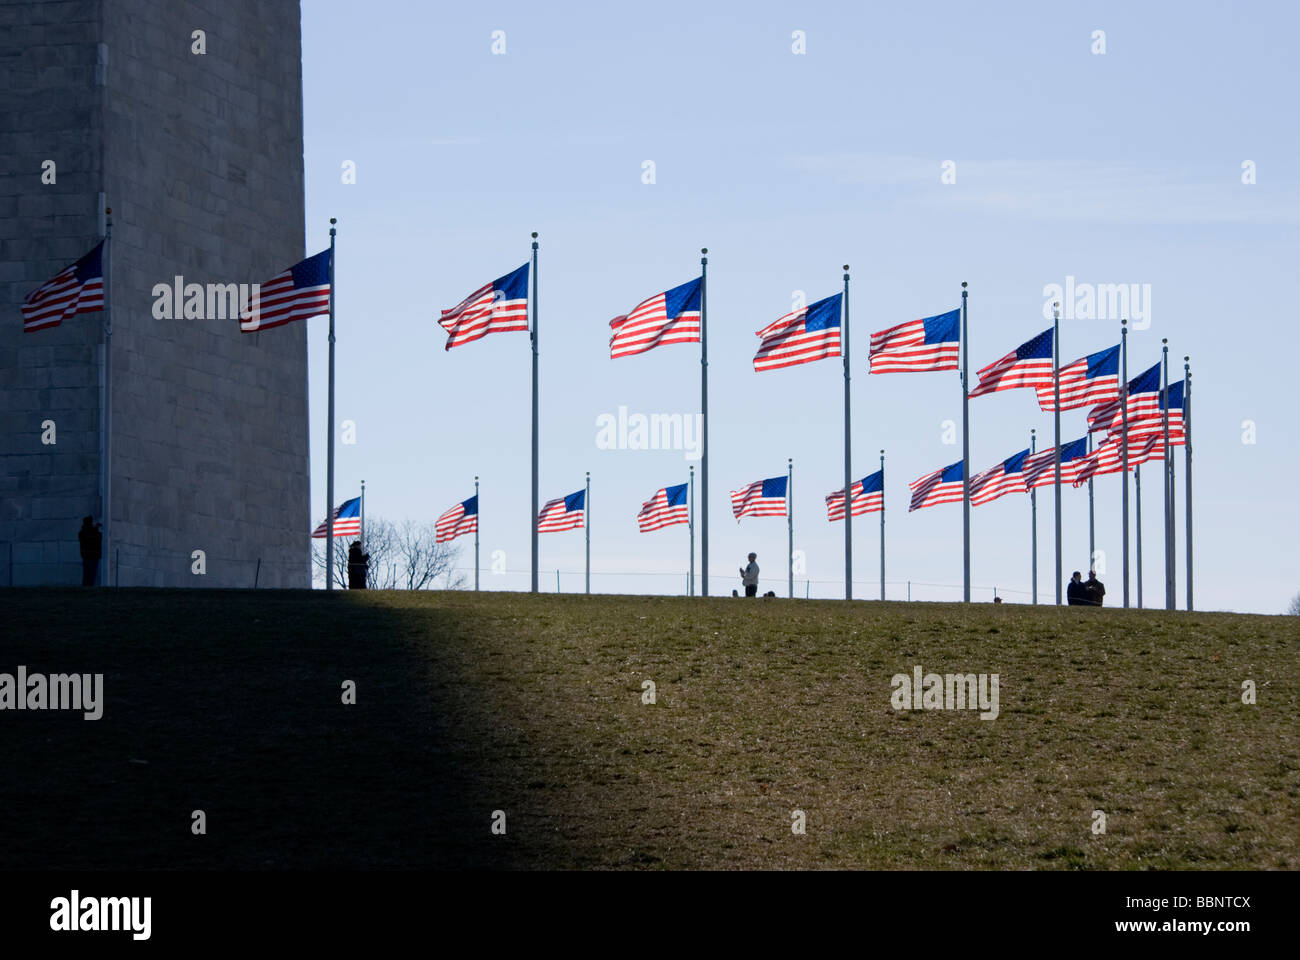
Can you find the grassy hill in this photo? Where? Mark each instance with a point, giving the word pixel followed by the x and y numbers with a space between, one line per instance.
pixel 230 702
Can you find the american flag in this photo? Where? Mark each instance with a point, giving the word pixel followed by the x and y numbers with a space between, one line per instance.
pixel 300 292
pixel 1029 365
pixel 1173 399
pixel 347 520
pixel 669 317
pixel 1092 379
pixel 564 513
pixel 918 345
pixel 1109 457
pixel 664 509
pixel 762 498
pixel 460 519
pixel 77 289
pixel 498 307
pixel 809 333
pixel 1007 477
pixel 1040 468
pixel 868 497
pixel 942 486
pixel 1143 401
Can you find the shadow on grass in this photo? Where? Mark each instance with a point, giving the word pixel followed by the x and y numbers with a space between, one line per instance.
pixel 243 719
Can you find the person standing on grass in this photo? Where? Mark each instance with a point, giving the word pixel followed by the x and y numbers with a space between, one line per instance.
pixel 357 564
pixel 749 576
pixel 92 548
pixel 1074 593
pixel 1093 590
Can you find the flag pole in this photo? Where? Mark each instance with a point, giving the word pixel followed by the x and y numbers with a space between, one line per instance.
pixel 363 516
pixel 965 455
pixel 1123 400
pixel 533 337
pixel 1168 475
pixel 1187 451
pixel 1033 525
pixel 882 524
pixel 106 417
pixel 1173 534
pixel 690 527
pixel 586 526
pixel 1137 526
pixel 789 520
pixel 704 421
pixel 329 440
pixel 1056 456
pixel 477 514
pixel 848 454
pixel 1092 525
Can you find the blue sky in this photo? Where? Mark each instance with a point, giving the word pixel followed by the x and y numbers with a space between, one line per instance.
pixel 1124 167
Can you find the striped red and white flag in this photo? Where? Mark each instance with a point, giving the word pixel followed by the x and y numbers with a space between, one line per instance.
pixel 563 513
pixel 665 508
pixel 459 520
pixel 942 486
pixel 1109 456
pixel 669 317
pixel 801 336
pixel 1029 365
pixel 868 497
pixel 347 521
pixel 1090 379
pixel 1040 468
pixel 76 289
pixel 1007 477
pixel 1143 401
pixel 300 292
pixel 497 307
pixel 918 346
pixel 762 498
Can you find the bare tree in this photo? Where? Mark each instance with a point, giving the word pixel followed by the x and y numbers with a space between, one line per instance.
pixel 423 561
pixel 405 557
pixel 380 544
pixel 1293 608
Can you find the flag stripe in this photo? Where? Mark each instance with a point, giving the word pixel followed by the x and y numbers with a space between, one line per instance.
pixel 562 513
pixel 669 317
pixel 942 486
pixel 762 498
pixel 459 520
pixel 918 346
pixel 497 307
pixel 347 520
pixel 801 336
pixel 76 289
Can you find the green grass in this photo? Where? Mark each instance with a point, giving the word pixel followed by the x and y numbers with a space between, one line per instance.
pixel 533 705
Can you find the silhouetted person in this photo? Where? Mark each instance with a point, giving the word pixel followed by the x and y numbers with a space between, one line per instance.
pixel 1093 589
pixel 357 563
pixel 1074 593
pixel 749 576
pixel 92 548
